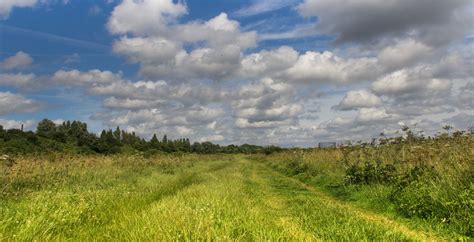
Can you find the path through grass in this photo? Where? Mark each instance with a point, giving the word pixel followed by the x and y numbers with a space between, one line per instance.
pixel 222 200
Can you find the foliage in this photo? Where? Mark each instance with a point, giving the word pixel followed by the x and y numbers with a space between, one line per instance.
pixel 74 137
pixel 429 178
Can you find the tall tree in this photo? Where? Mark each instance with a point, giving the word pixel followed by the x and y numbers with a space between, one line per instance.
pixel 46 128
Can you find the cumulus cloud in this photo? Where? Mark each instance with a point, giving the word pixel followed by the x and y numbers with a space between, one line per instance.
pixel 17 80
pixel 20 60
pixel 216 32
pixel 327 67
pixel 367 123
pixel 359 99
pixel 131 104
pixel 169 120
pixel 14 103
pixel 362 21
pixel 153 19
pixel 404 53
pixel 150 51
pixel 416 91
pixel 158 41
pixel 78 78
pixel 371 115
pixel 266 104
pixel 268 62
pixel 408 81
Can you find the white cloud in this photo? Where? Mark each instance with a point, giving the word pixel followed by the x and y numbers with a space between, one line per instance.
pixel 327 67
pixel 157 41
pixel 405 53
pixel 16 124
pixel 359 99
pixel 370 115
pixel 217 32
pixel 14 103
pixel 184 131
pixel 212 125
pixel 266 104
pixel 17 80
pixel 6 6
pixel 152 50
pixel 131 104
pixel 146 17
pixel 410 81
pixel 268 62
pixel 212 138
pixel 20 60
pixel 78 78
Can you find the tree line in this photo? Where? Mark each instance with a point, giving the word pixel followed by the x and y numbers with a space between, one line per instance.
pixel 73 136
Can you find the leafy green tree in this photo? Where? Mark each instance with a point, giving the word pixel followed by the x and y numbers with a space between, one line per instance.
pixel 154 142
pixel 117 134
pixel 46 128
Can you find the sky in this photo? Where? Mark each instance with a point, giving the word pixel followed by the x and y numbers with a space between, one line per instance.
pixel 267 72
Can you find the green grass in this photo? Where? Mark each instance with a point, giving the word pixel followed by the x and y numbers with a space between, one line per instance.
pixel 176 197
pixel 427 183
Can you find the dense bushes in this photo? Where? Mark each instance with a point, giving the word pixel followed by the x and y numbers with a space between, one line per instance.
pixel 370 173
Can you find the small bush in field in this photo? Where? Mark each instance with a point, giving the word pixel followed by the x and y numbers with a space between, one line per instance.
pixel 370 173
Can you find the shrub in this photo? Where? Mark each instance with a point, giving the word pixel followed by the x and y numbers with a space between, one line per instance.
pixel 370 173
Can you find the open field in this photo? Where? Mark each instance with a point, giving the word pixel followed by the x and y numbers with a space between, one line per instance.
pixel 192 197
pixel 242 120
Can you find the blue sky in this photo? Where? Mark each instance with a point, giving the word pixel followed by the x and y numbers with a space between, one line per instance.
pixel 258 71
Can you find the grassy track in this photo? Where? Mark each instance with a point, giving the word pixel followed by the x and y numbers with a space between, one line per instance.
pixel 221 200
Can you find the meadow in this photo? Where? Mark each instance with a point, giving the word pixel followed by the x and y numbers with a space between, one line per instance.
pixel 418 189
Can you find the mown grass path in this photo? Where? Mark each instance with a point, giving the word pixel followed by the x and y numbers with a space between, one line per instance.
pixel 229 200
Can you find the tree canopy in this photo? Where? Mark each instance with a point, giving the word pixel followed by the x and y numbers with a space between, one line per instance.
pixel 73 136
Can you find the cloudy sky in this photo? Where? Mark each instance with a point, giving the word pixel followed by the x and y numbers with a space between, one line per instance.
pixel 293 72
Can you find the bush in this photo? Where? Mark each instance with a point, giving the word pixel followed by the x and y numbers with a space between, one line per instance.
pixel 370 173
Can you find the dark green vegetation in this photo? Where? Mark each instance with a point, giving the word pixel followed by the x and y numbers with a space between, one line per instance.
pixel 421 179
pixel 73 137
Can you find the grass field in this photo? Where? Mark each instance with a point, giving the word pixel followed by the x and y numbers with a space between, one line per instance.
pixel 187 197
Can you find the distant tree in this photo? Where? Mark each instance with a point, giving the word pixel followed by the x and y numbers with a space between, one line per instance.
pixel 187 145
pixel 165 139
pixel 107 143
pixel 154 142
pixel 46 128
pixel 117 134
pixel 2 133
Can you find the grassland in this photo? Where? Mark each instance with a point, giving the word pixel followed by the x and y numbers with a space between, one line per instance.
pixel 190 197
pixel 427 182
